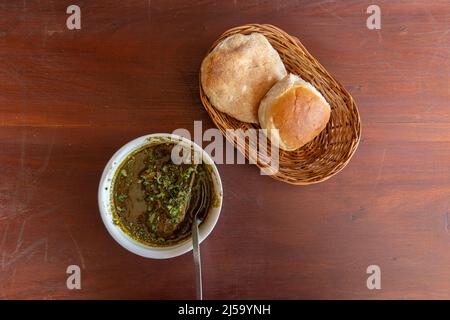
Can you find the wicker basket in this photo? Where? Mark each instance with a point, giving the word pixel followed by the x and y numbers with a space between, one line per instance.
pixel 329 152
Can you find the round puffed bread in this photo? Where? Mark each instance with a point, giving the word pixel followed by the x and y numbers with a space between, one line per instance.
pixel 297 109
pixel 238 73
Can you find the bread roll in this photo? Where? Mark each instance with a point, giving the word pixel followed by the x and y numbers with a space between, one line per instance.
pixel 238 73
pixel 296 109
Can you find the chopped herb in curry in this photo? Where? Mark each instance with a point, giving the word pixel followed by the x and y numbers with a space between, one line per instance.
pixel 151 195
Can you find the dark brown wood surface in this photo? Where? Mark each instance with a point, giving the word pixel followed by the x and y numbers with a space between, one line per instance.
pixel 70 98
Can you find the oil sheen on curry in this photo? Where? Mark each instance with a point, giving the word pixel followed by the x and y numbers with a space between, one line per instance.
pixel 151 195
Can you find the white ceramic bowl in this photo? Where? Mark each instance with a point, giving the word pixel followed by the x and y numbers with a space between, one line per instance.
pixel 105 197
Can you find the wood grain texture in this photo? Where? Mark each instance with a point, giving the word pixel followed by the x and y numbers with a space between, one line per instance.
pixel 69 99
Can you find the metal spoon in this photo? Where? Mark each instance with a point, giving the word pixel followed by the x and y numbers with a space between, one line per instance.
pixel 197 219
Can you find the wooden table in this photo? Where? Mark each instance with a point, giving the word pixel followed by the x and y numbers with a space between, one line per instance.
pixel 70 98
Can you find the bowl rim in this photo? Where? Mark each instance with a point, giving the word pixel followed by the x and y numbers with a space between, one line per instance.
pixel 104 199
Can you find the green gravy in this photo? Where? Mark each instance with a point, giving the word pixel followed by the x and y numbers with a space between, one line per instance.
pixel 150 193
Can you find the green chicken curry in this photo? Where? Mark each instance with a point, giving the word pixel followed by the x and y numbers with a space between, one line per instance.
pixel 151 195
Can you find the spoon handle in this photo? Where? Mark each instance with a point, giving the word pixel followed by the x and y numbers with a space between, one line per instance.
pixel 197 261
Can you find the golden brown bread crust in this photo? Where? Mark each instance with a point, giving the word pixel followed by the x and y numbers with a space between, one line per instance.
pixel 297 110
pixel 238 73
